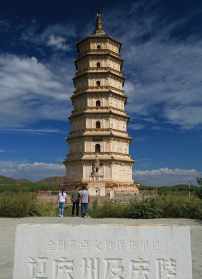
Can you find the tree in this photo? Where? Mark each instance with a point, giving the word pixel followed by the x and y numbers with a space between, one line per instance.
pixel 199 190
pixel 199 181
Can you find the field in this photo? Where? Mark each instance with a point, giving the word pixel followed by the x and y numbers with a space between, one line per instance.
pixel 37 203
pixel 23 198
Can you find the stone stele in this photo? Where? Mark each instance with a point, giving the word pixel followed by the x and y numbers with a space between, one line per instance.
pixel 56 251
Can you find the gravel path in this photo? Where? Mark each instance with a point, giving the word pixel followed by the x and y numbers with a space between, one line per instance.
pixel 8 226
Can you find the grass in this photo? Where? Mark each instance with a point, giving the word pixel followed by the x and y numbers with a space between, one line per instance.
pixel 164 206
pixel 24 204
pixel 18 205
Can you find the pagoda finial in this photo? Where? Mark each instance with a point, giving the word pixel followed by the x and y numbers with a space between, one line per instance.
pixel 99 24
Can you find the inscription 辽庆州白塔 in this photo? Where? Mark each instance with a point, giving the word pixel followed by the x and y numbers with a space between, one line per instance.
pixel 100 268
pixel 102 245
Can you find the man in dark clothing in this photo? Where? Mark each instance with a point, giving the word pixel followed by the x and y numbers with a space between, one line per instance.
pixel 75 198
pixel 84 200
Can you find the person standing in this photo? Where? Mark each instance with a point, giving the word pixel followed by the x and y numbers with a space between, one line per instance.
pixel 62 196
pixel 75 198
pixel 84 197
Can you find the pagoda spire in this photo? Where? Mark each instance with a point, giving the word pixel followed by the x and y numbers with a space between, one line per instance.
pixel 99 24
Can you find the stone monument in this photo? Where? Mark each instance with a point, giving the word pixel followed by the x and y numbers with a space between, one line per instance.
pixel 98 140
pixel 56 251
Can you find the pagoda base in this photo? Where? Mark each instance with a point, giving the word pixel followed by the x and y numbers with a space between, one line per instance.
pixel 102 188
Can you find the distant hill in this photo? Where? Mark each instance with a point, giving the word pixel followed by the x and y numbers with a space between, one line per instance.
pixel 7 180
pixel 23 181
pixel 25 185
pixel 8 184
pixel 51 181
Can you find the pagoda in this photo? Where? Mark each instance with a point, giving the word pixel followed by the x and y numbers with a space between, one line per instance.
pixel 98 140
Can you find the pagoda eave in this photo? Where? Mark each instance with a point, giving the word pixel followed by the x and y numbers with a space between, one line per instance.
pixel 107 113
pixel 102 52
pixel 101 89
pixel 89 91
pixel 95 36
pixel 92 158
pixel 100 71
pixel 96 135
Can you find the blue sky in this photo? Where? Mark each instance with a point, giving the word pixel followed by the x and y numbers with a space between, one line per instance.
pixel 162 50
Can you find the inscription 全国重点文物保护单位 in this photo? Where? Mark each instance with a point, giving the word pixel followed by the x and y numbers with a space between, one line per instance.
pixel 63 244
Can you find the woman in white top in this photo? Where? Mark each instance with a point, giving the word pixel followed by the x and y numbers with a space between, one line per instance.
pixel 62 196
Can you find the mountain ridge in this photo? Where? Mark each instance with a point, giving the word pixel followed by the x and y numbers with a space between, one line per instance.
pixel 52 180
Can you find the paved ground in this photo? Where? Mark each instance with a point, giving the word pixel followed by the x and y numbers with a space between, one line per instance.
pixel 8 226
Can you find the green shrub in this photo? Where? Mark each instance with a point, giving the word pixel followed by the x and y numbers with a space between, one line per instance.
pixel 107 210
pixel 26 204
pixel 165 206
pixel 18 205
pixel 47 209
pixel 146 209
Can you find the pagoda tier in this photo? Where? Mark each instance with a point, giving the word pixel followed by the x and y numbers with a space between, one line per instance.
pixel 98 138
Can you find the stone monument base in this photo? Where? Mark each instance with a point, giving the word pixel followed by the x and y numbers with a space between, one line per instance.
pixel 102 188
pixel 59 251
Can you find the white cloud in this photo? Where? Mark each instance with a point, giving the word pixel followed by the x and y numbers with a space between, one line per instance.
pixel 33 131
pixel 166 176
pixel 39 170
pixel 35 170
pixel 163 77
pixel 169 84
pixel 187 116
pixel 57 42
pixel 163 73
pixel 33 91
pixel 166 171
pixel 55 36
pixel 135 126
